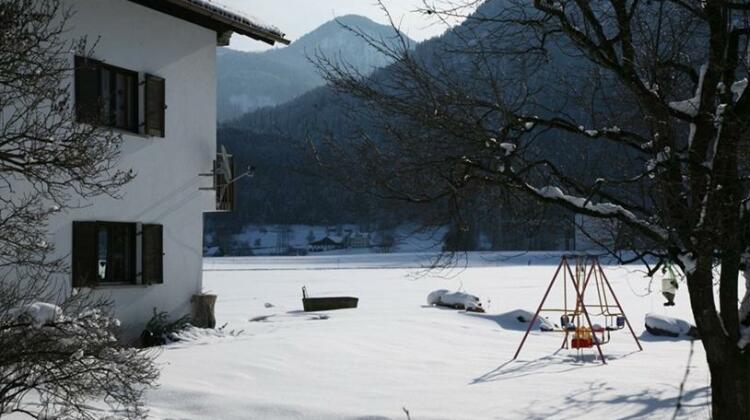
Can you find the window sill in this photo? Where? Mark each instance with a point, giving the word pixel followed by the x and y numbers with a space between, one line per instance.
pixel 124 132
pixel 119 286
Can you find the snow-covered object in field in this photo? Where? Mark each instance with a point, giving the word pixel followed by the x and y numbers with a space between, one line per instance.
pixel 38 313
pixel 525 317
pixel 664 325
pixel 458 300
pixel 434 297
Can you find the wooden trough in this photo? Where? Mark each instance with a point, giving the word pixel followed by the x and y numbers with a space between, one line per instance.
pixel 327 303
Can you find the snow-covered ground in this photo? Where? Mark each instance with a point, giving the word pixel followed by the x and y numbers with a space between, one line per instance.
pixel 394 352
pixel 276 239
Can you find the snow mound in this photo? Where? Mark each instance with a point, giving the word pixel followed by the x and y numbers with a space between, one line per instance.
pixel 667 326
pixel 434 297
pixel 459 300
pixel 524 316
pixel 38 313
pixel 194 334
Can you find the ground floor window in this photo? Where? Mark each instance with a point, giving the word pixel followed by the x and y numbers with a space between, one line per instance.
pixel 117 253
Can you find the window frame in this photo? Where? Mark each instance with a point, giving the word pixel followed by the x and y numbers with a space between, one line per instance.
pixel 85 237
pixel 134 110
pixel 92 64
pixel 133 227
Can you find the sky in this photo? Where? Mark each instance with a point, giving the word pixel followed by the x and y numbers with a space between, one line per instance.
pixel 298 17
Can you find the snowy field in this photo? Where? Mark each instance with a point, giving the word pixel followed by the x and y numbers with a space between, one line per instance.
pixel 394 352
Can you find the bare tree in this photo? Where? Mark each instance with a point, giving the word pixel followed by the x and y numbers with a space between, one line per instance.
pixel 519 96
pixel 59 353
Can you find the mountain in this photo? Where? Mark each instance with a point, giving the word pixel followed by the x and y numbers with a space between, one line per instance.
pixel 290 188
pixel 251 80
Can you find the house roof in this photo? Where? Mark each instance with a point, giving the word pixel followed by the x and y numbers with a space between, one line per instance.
pixel 325 241
pixel 217 17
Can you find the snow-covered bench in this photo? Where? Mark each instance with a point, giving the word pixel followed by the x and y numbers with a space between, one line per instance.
pixel 455 300
pixel 662 325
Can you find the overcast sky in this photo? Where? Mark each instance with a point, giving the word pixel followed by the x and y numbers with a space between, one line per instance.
pixel 298 17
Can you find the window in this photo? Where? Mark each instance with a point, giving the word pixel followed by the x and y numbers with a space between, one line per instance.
pixel 115 252
pixel 119 97
pixel 107 253
pixel 108 95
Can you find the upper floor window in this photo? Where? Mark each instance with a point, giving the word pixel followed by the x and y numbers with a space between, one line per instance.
pixel 108 95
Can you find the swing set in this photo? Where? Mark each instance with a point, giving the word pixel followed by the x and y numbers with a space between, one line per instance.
pixel 575 319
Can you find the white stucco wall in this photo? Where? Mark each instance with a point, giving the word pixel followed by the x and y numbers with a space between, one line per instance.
pixel 165 190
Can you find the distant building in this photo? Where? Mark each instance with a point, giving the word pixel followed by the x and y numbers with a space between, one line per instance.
pixel 325 244
pixel 358 240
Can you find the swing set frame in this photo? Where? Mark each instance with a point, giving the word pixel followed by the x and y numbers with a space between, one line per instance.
pixel 587 267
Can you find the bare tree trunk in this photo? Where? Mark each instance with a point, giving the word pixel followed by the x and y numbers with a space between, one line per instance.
pixel 730 387
pixel 729 366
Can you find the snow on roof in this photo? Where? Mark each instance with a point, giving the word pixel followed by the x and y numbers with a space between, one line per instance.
pixel 236 15
pixel 326 241
pixel 216 16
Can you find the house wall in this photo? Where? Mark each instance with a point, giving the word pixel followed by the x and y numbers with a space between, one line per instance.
pixel 165 189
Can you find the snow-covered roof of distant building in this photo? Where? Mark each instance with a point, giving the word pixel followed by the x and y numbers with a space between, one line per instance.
pixel 218 17
pixel 326 241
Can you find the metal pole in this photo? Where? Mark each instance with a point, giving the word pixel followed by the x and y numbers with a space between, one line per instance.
pixel 591 326
pixel 614 296
pixel 539 309
pixel 564 344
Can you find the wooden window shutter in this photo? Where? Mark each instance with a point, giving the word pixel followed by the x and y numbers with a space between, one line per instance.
pixel 153 254
pixel 155 106
pixel 85 254
pixel 87 90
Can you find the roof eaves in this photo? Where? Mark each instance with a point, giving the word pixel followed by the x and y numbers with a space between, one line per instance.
pixel 220 18
pixel 239 22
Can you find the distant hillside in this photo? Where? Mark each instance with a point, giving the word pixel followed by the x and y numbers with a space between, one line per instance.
pixel 251 80
pixel 289 187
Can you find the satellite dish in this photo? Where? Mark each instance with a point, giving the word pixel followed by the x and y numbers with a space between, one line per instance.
pixel 226 165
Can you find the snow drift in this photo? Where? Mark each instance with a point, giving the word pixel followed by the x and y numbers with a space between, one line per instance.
pixel 663 325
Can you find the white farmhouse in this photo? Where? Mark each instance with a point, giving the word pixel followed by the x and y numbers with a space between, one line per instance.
pixel 152 78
